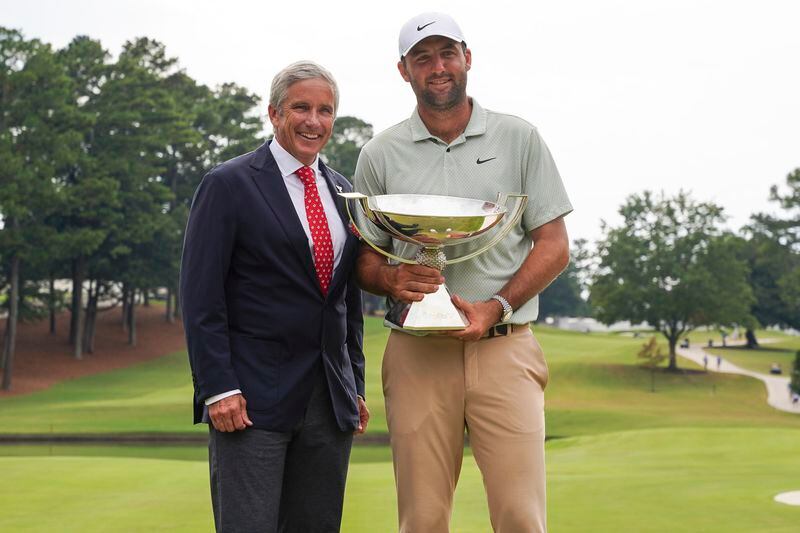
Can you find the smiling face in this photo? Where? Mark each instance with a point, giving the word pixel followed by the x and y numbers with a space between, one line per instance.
pixel 437 69
pixel 303 122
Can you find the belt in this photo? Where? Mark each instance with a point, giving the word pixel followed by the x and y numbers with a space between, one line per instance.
pixel 502 330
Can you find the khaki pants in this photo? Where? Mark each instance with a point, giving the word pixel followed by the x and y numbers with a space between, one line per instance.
pixel 435 387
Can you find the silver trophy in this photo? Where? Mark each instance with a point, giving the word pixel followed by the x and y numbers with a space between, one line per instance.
pixel 433 222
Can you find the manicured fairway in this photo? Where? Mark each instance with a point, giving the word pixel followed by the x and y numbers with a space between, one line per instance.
pixel 595 387
pixel 761 359
pixel 675 480
pixel 151 397
pixel 702 453
pixel 663 480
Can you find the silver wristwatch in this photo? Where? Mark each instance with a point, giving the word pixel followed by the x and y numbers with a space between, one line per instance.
pixel 507 309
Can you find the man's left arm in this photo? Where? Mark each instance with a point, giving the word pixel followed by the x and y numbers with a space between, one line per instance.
pixel 548 257
pixel 355 347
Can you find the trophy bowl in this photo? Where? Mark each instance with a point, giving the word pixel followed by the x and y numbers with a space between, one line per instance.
pixel 433 222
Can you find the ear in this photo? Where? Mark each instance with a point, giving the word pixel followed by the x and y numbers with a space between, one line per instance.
pixel 273 115
pixel 468 57
pixel 401 66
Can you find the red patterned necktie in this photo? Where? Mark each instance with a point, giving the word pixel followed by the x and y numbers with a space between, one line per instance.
pixel 320 233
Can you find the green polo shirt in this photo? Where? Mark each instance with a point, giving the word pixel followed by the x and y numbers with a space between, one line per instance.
pixel 497 153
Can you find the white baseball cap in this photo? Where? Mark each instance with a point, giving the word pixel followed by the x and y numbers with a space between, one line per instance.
pixel 427 24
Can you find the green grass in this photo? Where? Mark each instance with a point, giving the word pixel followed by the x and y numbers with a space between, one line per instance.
pixel 595 387
pixel 375 335
pixel 702 453
pixel 154 396
pixel 714 480
pixel 601 398
pixel 177 452
pixel 150 397
pixel 760 360
pixel 660 480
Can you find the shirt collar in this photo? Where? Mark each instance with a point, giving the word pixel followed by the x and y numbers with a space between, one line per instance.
pixel 287 163
pixel 475 126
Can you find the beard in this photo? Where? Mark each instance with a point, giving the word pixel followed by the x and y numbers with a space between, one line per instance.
pixel 444 101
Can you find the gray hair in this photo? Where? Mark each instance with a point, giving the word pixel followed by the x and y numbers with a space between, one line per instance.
pixel 299 71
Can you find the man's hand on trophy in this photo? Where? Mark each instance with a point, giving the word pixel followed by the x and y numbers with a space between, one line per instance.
pixel 481 316
pixel 410 283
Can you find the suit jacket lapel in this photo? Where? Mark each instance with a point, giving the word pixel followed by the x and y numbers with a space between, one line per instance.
pixel 270 183
pixel 335 189
pixel 351 242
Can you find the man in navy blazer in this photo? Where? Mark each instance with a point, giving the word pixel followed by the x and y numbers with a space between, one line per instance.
pixel 273 320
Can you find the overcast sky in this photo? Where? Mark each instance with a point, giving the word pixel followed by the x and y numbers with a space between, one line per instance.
pixel 629 95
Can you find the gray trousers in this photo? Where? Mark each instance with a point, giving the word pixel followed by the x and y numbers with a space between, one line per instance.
pixel 268 481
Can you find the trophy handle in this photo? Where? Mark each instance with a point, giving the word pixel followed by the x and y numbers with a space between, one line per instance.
pixel 502 199
pixel 362 198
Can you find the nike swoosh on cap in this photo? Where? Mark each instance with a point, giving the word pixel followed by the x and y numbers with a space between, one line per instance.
pixel 420 28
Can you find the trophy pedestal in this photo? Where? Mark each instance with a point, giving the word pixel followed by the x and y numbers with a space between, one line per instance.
pixel 434 312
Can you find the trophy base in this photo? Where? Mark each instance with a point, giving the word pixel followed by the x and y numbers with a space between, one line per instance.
pixel 435 312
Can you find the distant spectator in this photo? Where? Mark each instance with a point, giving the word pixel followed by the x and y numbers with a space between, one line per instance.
pixel 719 361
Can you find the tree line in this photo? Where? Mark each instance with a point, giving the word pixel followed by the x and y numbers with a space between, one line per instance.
pixel 99 159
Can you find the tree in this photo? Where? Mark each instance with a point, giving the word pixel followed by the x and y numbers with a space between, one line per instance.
pixel 564 296
pixel 89 195
pixel 98 164
pixel 139 118
pixel 773 252
pixel 223 123
pixel 652 357
pixel 37 139
pixel 771 266
pixel 671 266
pixel 349 135
pixel 786 229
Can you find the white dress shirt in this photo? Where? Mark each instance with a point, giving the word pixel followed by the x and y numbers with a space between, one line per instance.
pixel 288 165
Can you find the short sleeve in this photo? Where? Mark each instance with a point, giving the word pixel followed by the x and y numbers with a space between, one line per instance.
pixel 547 197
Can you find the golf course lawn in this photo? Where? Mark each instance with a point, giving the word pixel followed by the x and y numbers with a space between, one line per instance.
pixel 703 452
pixel 782 351
pixel 660 480
pixel 595 387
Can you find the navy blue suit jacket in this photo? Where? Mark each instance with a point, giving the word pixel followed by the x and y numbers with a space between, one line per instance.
pixel 254 315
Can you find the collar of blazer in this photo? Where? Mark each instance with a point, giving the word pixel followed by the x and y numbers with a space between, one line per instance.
pixel 262 160
pixel 268 179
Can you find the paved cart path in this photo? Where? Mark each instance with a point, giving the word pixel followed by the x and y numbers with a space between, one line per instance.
pixel 777 386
